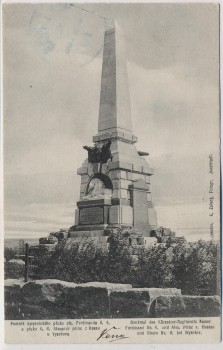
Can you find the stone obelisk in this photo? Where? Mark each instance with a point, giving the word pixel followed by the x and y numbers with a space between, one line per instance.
pixel 115 179
pixel 114 111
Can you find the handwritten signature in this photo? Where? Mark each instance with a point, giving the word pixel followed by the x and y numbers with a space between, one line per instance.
pixel 107 334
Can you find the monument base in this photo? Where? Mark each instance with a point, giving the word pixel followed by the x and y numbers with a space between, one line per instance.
pixel 94 228
pixel 92 215
pixel 97 237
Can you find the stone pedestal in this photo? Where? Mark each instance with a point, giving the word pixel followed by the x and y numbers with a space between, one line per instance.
pixel 92 214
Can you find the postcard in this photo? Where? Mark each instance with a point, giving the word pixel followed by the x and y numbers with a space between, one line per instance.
pixel 111 141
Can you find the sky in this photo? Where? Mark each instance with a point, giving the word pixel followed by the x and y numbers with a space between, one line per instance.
pixel 52 59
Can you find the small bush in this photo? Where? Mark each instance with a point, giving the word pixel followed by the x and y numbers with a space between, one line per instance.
pixel 14 269
pixel 195 267
pixel 9 253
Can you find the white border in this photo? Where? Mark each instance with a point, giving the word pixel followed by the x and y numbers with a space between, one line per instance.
pixel 4 346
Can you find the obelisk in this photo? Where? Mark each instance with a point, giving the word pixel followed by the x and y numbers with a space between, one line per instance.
pixel 114 111
pixel 115 179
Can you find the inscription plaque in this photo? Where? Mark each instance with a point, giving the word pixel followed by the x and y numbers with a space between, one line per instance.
pixel 94 215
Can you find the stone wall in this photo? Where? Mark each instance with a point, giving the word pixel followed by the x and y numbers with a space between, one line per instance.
pixel 54 299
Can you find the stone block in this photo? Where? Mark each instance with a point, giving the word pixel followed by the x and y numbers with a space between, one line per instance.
pixel 129 303
pixel 116 184
pixel 136 301
pixel 114 174
pixel 185 306
pixel 122 174
pixel 117 174
pixel 104 168
pixel 108 285
pixel 147 179
pixel 24 311
pixel 136 177
pixel 123 194
pixel 147 170
pixel 128 196
pixel 87 301
pixel 114 214
pixel 84 179
pixel 82 171
pixel 83 188
pixel 137 167
pixel 114 165
pixel 138 191
pixel 90 169
pixel 126 166
pixel 150 240
pixel 149 197
pixel 116 201
pixel 82 194
pixel 139 185
pixel 124 184
pixel 76 216
pixel 12 289
pixel 45 292
pixel 129 175
pixel 134 138
pixel 152 216
pixel 157 292
pixel 126 215
pixel 166 232
pixel 115 193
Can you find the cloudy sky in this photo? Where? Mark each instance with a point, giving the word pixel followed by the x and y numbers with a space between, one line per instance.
pixel 52 70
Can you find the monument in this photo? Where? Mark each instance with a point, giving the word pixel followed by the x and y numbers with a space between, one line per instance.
pixel 115 177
